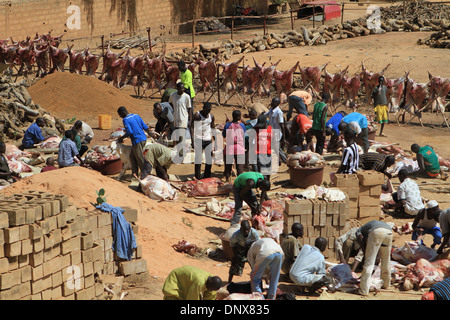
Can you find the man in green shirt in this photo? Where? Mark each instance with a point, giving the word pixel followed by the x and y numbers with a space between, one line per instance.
pixel 186 78
pixel 158 157
pixel 191 283
pixel 428 161
pixel 319 122
pixel 243 191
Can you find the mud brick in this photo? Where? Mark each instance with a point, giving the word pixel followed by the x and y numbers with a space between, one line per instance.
pixel 23 260
pixel 353 203
pixel 67 289
pixel 353 213
pixel 352 192
pixel 365 212
pixel 368 201
pixel 51 253
pixel 30 214
pixel 36 297
pixel 57 279
pixel 71 212
pixel 329 220
pixel 36 258
pixel 108 242
pixel 45 225
pixel 89 280
pixel 37 273
pixel 331 241
pixel 25 273
pixel 4 220
pixel 370 178
pixel 57 292
pixel 139 248
pixel 12 234
pixel 52 239
pixel 10 279
pixel 130 214
pixel 101 220
pixel 135 228
pixel 86 241
pixel 106 231
pixel 97 252
pixel 52 266
pixel 46 208
pixel 16 216
pixel 13 263
pixel 87 255
pixel 16 292
pixel 86 294
pixel 342 219
pixel 4 265
pixel 13 249
pixel 69 245
pixel 66 231
pixel 294 207
pixel 36 286
pixel 63 202
pixel 61 219
pixel 56 206
pixel 65 261
pixel 132 267
pixel 99 290
pixel 47 282
pixel 75 257
pixel 81 223
pixel 335 220
pixel 108 268
pixel 346 180
pixel 375 191
pixel 342 207
pixel 109 254
pixel 306 219
pixel 91 222
pixel 47 294
pixel 27 246
pixel 98 266
pixel 88 268
pixel 322 219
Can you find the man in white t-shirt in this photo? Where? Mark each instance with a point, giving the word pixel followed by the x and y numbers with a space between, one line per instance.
pixel 182 115
pixel 276 121
pixel 407 197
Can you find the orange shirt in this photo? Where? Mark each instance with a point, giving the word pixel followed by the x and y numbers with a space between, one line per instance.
pixel 307 98
pixel 304 123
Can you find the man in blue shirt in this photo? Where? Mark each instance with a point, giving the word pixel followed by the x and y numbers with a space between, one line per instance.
pixel 134 129
pixel 332 129
pixel 67 151
pixel 33 135
pixel 358 122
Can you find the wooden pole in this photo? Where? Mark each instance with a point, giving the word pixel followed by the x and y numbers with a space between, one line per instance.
pixel 149 39
pixel 342 13
pixel 103 46
pixel 323 14
pixel 292 20
pixel 265 17
pixel 232 27
pixel 314 16
pixel 193 33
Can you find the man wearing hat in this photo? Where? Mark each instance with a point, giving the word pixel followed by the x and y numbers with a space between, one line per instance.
pixel 426 221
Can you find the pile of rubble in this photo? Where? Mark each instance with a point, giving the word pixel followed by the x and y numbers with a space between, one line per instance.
pixel 18 111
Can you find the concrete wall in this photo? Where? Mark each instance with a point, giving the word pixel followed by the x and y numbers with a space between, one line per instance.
pixel 22 18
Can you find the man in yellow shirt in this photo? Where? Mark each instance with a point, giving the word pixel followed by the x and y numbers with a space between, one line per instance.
pixel 186 78
pixel 191 283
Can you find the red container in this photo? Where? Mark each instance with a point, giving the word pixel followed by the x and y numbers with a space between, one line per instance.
pixel 108 167
pixel 305 177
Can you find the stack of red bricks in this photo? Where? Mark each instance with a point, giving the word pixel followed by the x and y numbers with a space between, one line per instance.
pixel 320 218
pixel 363 190
pixel 51 249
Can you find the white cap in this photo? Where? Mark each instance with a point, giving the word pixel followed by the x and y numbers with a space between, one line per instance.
pixel 432 204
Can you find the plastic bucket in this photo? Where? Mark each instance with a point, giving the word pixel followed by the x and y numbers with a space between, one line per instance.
pixel 104 121
pixel 108 167
pixel 305 177
pixel 226 247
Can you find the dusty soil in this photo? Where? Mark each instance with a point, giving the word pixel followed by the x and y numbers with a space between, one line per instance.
pixel 163 224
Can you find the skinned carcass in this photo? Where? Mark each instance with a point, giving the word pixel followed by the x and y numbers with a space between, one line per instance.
pixel 50 143
pixel 230 75
pixel 311 76
pixel 25 58
pixel 8 53
pixel 206 187
pixel 207 72
pixel 42 60
pixel 370 80
pixel 350 88
pixel 13 152
pixel 76 60
pixel 251 78
pixel 171 73
pixel 137 71
pixel 58 58
pixel 109 57
pixel 121 69
pixel 438 89
pixel 416 94
pixel 395 93
pixel 154 68
pixel 284 80
pixel 333 84
pixel 423 274
pixel 157 189
pixel 267 78
pixel 91 61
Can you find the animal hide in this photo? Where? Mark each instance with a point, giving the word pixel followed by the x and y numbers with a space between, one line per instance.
pixel 206 187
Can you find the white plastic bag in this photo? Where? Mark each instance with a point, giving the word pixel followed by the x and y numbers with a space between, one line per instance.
pixel 158 189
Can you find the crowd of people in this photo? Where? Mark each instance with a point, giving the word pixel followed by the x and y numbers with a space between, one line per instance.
pixel 248 148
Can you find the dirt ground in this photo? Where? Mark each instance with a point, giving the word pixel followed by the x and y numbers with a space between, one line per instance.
pixel 173 224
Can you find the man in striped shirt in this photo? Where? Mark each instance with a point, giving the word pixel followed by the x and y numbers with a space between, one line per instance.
pixel 438 291
pixel 376 161
pixel 350 157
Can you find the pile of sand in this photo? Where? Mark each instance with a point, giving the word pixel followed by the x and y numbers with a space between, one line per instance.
pixel 161 224
pixel 65 95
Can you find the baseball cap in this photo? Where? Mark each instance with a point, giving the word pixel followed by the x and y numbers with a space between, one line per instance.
pixel 432 204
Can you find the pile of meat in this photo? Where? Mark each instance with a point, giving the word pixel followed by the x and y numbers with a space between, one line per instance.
pixel 206 187
pixel 157 189
pixel 305 159
pixel 99 154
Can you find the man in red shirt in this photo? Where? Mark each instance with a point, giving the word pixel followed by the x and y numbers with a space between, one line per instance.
pixel 50 165
pixel 262 160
